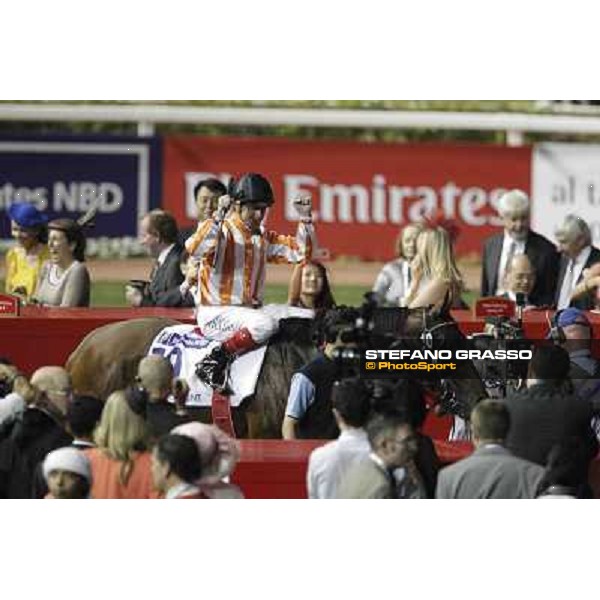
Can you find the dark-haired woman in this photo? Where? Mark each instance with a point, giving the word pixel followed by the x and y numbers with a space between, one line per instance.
pixel 64 279
pixel 176 466
pixel 309 287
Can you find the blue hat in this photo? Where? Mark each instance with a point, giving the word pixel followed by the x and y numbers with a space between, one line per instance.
pixel 572 316
pixel 26 215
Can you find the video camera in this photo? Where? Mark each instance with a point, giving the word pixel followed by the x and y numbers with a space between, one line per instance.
pixel 357 329
pixel 6 387
pixel 503 332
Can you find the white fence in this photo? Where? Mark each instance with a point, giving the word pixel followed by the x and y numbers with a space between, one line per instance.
pixel 146 116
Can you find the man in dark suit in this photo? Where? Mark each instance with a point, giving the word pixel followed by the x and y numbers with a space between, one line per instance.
pixel 518 238
pixel 577 254
pixel 548 411
pixel 520 279
pixel 491 471
pixel 158 234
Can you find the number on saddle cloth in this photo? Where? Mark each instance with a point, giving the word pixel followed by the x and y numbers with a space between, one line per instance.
pixel 185 347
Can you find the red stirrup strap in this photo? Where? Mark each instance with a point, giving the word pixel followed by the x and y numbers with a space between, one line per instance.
pixel 221 413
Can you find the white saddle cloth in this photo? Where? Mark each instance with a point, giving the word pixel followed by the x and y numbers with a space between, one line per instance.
pixel 184 346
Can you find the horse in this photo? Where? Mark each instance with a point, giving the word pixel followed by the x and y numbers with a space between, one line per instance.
pixel 107 359
pixel 424 328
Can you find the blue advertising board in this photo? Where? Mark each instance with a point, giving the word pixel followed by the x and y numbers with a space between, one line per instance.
pixel 64 176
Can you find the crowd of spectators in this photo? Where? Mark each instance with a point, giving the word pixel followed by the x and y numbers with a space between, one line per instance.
pixel 137 443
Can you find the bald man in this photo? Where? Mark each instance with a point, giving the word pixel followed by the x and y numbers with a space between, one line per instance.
pixel 54 385
pixel 520 279
pixel 155 375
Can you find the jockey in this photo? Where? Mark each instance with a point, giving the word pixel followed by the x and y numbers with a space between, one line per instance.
pixel 234 247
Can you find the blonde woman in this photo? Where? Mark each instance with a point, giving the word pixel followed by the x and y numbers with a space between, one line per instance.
pixel 121 462
pixel 436 278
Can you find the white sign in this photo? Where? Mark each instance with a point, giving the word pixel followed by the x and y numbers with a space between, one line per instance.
pixel 565 179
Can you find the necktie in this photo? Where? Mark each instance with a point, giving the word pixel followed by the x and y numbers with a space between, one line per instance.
pixel 511 252
pixel 393 482
pixel 154 269
pixel 565 291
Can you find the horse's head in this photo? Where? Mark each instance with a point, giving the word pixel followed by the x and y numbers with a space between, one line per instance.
pixel 429 329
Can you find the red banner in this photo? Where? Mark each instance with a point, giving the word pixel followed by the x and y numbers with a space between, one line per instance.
pixel 363 193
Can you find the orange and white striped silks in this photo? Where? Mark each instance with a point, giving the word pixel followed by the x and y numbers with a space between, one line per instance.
pixel 233 267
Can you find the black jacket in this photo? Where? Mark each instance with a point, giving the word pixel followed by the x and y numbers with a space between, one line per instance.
pixel 24 448
pixel 163 289
pixel 161 418
pixel 543 257
pixel 546 414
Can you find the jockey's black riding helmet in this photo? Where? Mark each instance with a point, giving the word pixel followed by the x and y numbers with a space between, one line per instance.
pixel 251 187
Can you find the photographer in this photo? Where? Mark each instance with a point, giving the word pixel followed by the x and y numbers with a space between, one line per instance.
pixel 308 411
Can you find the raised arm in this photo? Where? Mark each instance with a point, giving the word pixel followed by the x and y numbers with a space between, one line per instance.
pixel 206 236
pixel 286 248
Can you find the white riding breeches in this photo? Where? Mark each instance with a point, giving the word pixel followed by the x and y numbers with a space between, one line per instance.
pixel 220 322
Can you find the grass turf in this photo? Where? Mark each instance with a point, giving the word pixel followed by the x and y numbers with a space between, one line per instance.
pixel 111 293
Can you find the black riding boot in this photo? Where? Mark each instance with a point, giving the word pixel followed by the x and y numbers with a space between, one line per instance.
pixel 213 369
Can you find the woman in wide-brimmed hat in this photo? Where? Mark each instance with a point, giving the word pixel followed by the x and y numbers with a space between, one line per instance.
pixel 219 455
pixel 24 261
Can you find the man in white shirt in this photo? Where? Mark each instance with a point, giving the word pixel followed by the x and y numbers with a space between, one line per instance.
pixel 577 253
pixel 517 238
pixel 328 464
